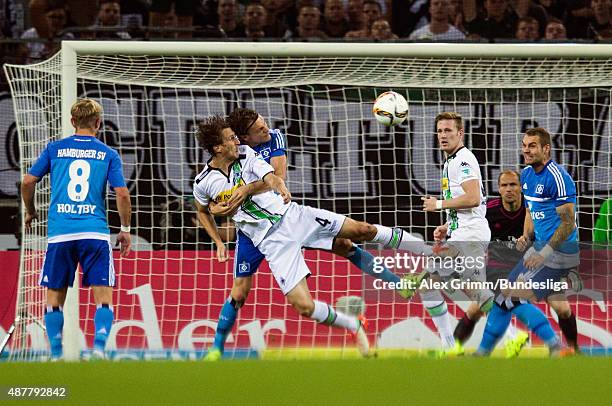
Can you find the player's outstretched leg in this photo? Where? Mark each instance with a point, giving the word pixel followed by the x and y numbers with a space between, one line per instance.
pixel 54 323
pixel 393 238
pixel 227 316
pixel 365 261
pixel 299 297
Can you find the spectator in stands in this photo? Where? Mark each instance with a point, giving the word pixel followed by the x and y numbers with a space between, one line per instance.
pixel 227 12
pixel 555 30
pixel 255 21
pixel 498 21
pixel 163 12
pixel 335 24
pixel 81 13
pixel 381 30
pixel 439 29
pixel 527 8
pixel 527 29
pixel 600 26
pixel 282 18
pixel 356 19
pixel 56 16
pixel 109 16
pixel 309 19
pixel 372 11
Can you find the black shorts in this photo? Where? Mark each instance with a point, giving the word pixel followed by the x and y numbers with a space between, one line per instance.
pixel 181 7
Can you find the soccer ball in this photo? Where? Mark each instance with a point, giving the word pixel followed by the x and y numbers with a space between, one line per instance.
pixel 390 108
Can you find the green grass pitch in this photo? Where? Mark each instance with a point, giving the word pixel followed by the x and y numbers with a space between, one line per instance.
pixel 376 382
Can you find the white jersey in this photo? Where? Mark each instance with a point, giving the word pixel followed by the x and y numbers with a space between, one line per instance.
pixel 258 213
pixel 458 168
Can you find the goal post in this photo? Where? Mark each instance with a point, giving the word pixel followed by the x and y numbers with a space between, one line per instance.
pixel 171 289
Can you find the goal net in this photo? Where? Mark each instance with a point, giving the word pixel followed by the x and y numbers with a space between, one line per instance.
pixel 171 289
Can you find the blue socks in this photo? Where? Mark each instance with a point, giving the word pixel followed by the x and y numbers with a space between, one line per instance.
pixel 537 322
pixel 227 318
pixel 103 321
pixel 365 261
pixel 498 320
pixel 54 322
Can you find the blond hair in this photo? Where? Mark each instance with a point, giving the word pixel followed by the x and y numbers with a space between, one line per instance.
pixel 85 113
pixel 451 115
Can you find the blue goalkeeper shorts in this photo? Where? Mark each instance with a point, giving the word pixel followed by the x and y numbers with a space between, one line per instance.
pixel 247 257
pixel 62 258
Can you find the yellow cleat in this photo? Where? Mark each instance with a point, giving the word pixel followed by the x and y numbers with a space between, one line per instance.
pixel 410 284
pixel 214 354
pixel 514 346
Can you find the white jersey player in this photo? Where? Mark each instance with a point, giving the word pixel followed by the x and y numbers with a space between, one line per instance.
pixel 280 228
pixel 466 230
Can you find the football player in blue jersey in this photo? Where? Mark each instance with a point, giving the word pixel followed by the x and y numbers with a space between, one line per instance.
pixel 80 166
pixel 550 227
pixel 271 145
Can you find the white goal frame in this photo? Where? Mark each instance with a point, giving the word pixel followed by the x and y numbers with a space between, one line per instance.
pixel 563 59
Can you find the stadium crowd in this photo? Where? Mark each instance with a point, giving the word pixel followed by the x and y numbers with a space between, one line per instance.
pixel 41 24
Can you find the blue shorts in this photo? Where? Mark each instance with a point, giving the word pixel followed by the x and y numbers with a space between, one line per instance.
pixel 246 257
pixel 541 276
pixel 62 258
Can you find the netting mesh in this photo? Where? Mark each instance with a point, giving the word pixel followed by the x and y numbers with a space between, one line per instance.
pixel 171 290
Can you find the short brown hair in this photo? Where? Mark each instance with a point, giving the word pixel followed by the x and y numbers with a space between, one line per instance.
pixel 508 172
pixel 209 132
pixel 450 115
pixel 241 120
pixel 541 133
pixel 85 113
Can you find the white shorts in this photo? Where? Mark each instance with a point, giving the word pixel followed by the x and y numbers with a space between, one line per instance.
pixel 472 244
pixel 301 226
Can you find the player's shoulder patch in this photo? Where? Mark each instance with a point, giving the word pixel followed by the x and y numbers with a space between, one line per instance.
pixel 278 139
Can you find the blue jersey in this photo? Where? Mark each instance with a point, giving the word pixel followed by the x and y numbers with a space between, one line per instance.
pixel 544 192
pixel 80 166
pixel 275 147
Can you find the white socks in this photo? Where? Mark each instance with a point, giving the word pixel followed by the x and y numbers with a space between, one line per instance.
pixel 436 307
pixel 325 314
pixel 397 238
